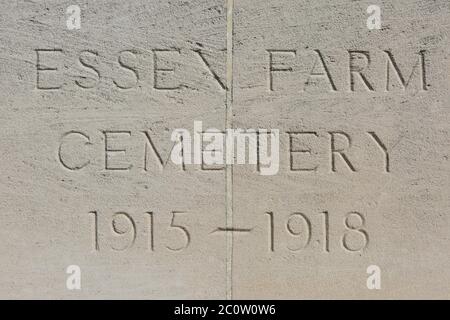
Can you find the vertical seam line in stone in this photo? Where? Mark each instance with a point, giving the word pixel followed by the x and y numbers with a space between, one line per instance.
pixel 229 167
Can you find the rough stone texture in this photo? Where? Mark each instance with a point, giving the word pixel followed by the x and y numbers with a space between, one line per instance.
pixel 106 82
pixel 46 225
pixel 405 210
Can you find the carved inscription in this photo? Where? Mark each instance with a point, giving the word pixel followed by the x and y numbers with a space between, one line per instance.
pixel 167 71
pixel 358 63
pixel 298 232
pixel 78 150
pixel 127 70
pixel 299 229
pixel 125 231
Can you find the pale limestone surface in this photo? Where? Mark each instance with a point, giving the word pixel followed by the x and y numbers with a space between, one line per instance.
pixel 405 210
pixel 54 176
pixel 46 225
